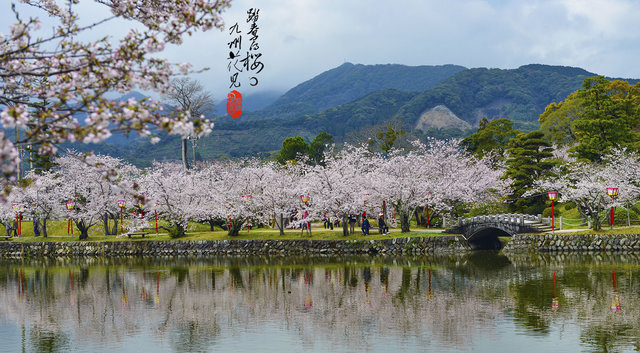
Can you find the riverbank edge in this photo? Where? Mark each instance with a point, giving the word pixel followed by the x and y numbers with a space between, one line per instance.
pixel 415 245
pixel 572 242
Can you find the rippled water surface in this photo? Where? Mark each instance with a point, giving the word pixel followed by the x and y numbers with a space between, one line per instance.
pixel 477 302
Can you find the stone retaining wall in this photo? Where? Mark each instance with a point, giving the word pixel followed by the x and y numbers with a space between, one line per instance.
pixel 560 242
pixel 416 245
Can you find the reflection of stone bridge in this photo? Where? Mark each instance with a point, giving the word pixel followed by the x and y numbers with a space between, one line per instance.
pixel 483 231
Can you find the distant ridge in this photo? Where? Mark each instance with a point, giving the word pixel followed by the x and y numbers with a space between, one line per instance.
pixel 454 99
pixel 349 82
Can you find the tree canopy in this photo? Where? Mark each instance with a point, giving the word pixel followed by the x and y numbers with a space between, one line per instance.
pixel 600 116
pixel 491 137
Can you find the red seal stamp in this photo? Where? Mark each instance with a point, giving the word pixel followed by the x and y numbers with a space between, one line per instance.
pixel 234 104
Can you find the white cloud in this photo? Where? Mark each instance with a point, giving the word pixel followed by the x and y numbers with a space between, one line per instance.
pixel 301 39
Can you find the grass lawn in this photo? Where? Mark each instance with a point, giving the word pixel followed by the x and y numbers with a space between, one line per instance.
pixel 57 232
pixel 607 230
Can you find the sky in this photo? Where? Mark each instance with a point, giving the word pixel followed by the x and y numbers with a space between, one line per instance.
pixel 300 39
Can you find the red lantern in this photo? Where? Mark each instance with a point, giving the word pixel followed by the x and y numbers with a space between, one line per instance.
pixel 304 198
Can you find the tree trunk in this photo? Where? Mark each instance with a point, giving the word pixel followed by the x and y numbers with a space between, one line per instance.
pixel 185 161
pixel 83 228
pixel 211 224
pixel 193 149
pixel 596 224
pixel 116 222
pixel 420 218
pixel 44 227
pixel 105 221
pixel 281 225
pixel 235 227
pixel 345 225
pixel 404 222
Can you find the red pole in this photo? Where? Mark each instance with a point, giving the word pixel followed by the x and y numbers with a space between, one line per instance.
pixel 615 283
pixel 612 213
pixel 553 218
pixel 156 212
pixel 384 209
pixel 554 284
pixel 427 215
pixel 121 228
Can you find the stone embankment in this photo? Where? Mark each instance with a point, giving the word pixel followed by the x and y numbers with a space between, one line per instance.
pixel 560 242
pixel 416 245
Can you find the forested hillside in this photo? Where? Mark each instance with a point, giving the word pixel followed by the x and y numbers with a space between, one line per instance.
pixel 358 107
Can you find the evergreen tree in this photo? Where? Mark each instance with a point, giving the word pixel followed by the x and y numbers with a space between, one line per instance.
pixel 610 118
pixel 317 147
pixel 492 137
pixel 292 147
pixel 529 159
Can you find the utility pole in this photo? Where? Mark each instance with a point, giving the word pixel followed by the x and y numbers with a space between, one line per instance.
pixel 194 142
pixel 19 153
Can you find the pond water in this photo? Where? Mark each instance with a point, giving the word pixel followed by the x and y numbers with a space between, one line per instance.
pixel 474 302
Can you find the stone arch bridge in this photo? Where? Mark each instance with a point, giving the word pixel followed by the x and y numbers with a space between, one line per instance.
pixel 482 232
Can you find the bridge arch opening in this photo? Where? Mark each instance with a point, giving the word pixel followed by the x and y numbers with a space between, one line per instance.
pixel 487 239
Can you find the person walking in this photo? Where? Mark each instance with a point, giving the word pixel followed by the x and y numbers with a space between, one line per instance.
pixel 365 225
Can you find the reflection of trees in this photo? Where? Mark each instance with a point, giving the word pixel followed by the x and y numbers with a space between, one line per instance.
pixel 48 341
pixel 190 303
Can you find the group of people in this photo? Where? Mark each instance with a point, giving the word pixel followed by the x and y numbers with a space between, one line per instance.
pixel 382 225
pixel 329 222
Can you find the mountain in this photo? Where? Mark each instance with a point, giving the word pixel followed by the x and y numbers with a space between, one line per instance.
pixel 349 82
pixel 449 106
pixel 520 95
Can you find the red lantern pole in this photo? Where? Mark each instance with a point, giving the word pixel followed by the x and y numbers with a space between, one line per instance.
pixel 427 215
pixel 70 206
pixel 121 204
pixel 612 192
pixel 552 197
pixel 384 209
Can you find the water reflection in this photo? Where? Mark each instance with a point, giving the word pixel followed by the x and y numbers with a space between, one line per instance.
pixel 452 302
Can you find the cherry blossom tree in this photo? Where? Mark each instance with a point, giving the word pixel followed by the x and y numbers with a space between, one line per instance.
pixel 48 79
pixel 586 183
pixel 42 198
pixel 94 185
pixel 275 190
pixel 339 186
pixel 439 172
pixel 177 192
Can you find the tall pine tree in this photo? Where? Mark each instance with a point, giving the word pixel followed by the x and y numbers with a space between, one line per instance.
pixel 529 159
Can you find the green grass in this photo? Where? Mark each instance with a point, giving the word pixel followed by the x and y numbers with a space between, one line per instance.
pixel 607 230
pixel 197 231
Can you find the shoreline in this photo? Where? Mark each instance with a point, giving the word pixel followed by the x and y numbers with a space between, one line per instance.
pixel 519 243
pixel 415 245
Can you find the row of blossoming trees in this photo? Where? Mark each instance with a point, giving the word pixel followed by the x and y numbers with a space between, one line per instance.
pixel 353 179
pixel 438 174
